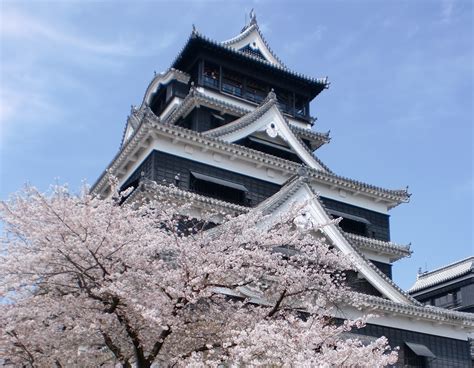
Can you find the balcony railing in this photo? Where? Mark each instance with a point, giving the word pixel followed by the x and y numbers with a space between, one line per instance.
pixel 210 82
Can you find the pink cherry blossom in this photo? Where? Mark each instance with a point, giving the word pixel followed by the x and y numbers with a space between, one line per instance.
pixel 90 282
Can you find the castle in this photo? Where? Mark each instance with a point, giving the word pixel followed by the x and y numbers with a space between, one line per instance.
pixel 228 127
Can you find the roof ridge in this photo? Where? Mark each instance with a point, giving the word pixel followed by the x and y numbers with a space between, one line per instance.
pixel 276 200
pixel 253 115
pixel 446 267
pixel 402 250
pixel 420 308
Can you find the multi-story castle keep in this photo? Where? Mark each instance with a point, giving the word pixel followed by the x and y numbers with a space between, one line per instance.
pixel 228 127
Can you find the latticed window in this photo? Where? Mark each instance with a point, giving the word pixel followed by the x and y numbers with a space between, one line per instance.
pixel 232 83
pixel 255 91
pixel 211 75
pixel 285 101
pixel 218 188
pixel 301 106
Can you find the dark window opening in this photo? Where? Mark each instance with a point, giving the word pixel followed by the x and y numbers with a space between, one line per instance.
pixel 448 300
pixel 158 102
pixel 217 120
pixel 211 75
pixel 417 355
pixel 285 101
pixel 414 361
pixel 232 83
pixel 360 284
pixel 186 123
pixel 301 107
pixel 255 91
pixel 218 188
pixel 271 148
pixel 353 226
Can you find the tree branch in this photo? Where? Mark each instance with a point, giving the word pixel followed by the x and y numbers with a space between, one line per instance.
pixel 115 350
pixel 277 304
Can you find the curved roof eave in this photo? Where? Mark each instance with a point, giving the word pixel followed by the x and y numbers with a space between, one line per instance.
pixel 320 83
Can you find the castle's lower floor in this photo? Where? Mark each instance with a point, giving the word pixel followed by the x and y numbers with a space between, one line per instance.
pixel 423 350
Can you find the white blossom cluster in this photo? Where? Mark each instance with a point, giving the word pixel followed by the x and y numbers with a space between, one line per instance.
pixel 89 282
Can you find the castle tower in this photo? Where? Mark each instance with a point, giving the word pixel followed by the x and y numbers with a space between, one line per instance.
pixel 228 127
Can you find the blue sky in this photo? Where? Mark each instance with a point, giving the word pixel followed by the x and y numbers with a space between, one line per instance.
pixel 399 106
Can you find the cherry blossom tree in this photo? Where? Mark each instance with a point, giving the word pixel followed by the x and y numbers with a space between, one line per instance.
pixel 93 282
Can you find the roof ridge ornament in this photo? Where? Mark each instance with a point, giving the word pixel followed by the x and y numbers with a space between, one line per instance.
pixel 252 21
pixel 253 17
pixel 271 96
pixel 303 172
pixel 194 32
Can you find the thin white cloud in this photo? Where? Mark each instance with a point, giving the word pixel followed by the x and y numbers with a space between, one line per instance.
pixel 20 110
pixel 20 25
pixel 42 55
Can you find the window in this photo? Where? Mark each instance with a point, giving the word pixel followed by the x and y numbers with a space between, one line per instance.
pixel 218 188
pixel 232 83
pixel 255 91
pixel 417 355
pixel 285 101
pixel 448 300
pixel 352 224
pixel 301 106
pixel 210 75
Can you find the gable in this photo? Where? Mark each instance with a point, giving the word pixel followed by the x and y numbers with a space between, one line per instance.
pixel 251 42
pixel 315 214
pixel 267 122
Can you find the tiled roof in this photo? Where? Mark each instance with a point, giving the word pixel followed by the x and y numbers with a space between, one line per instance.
pixel 267 103
pixel 397 250
pixel 443 274
pixel 357 241
pixel 151 122
pixel 292 185
pixel 319 137
pixel 245 32
pixel 195 97
pixel 379 304
pixel 373 303
pixel 195 35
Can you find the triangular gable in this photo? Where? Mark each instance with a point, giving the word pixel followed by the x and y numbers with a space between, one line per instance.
pixel 299 191
pixel 250 41
pixel 267 118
